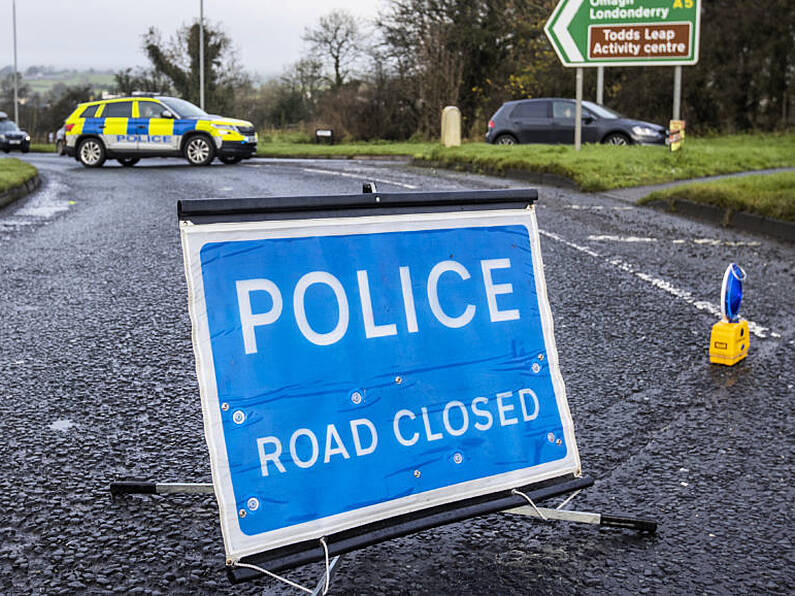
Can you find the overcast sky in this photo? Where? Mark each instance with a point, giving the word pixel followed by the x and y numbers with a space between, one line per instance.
pixel 107 33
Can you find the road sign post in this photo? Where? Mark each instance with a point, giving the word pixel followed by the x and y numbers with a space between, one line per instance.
pixel 600 84
pixel 578 112
pixel 677 92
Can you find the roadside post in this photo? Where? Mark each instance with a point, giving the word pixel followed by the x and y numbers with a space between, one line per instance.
pixel 451 126
pixel 371 366
pixel 641 33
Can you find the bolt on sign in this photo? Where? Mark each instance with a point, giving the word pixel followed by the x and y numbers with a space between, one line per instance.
pixel 356 369
pixel 625 32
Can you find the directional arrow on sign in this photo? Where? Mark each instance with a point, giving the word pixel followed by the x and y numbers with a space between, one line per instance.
pixel 568 10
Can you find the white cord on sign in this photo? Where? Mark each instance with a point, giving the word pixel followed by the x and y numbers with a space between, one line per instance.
pixel 328 570
pixel 529 500
pixel 274 576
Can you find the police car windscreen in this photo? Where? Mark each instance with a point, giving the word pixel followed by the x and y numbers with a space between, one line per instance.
pixel 182 108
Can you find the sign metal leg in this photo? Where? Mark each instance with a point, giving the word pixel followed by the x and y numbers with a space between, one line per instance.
pixel 321 584
pixel 644 526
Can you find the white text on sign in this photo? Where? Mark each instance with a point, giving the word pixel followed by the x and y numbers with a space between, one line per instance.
pixel 306 448
pixel 249 320
pixel 639 41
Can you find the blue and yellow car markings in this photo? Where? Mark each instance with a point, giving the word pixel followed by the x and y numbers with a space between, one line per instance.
pixel 155 130
pixel 93 126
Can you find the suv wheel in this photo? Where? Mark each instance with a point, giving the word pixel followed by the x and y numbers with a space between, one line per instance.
pixel 128 162
pixel 91 153
pixel 60 147
pixel 616 138
pixel 230 159
pixel 199 150
pixel 505 140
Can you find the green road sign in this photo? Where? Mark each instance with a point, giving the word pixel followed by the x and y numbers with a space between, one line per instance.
pixel 625 32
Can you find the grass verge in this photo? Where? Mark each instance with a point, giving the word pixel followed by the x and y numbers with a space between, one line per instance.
pixel 14 172
pixel 769 195
pixel 595 168
pixel 42 147
pixel 603 167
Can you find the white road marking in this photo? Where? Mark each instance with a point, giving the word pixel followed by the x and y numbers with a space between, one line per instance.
pixel 362 177
pixel 713 242
pixel 584 249
pixel 660 284
pixel 700 241
pixel 596 207
pixel 621 239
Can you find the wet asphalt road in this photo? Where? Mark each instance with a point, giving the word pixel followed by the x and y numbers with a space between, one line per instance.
pixel 98 383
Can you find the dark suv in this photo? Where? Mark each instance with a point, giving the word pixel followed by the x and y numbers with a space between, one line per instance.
pixel 551 120
pixel 11 137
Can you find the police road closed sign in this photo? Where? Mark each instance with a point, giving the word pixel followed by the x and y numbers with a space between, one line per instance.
pixel 625 32
pixel 355 369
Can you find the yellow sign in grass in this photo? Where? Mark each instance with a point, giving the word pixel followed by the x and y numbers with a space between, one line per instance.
pixel 676 134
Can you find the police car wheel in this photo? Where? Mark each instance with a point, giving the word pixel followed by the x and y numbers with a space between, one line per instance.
pixel 128 162
pixel 60 148
pixel 199 151
pixel 230 159
pixel 91 153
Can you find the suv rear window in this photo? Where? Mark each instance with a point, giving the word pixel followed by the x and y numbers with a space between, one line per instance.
pixel 530 109
pixel 119 109
pixel 90 111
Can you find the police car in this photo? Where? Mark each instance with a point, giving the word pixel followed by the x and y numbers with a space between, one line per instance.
pixel 129 128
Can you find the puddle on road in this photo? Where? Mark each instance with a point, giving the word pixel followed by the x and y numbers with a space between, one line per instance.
pixel 47 202
pixel 62 424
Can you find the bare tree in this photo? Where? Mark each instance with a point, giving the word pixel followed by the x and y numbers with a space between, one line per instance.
pixel 338 40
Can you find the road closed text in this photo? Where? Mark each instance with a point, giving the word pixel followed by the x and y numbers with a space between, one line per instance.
pixel 403 302
pixel 360 437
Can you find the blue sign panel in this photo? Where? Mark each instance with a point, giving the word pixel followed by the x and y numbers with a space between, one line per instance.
pixel 355 371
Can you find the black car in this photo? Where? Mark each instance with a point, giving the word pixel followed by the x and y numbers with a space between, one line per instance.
pixel 11 137
pixel 551 120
